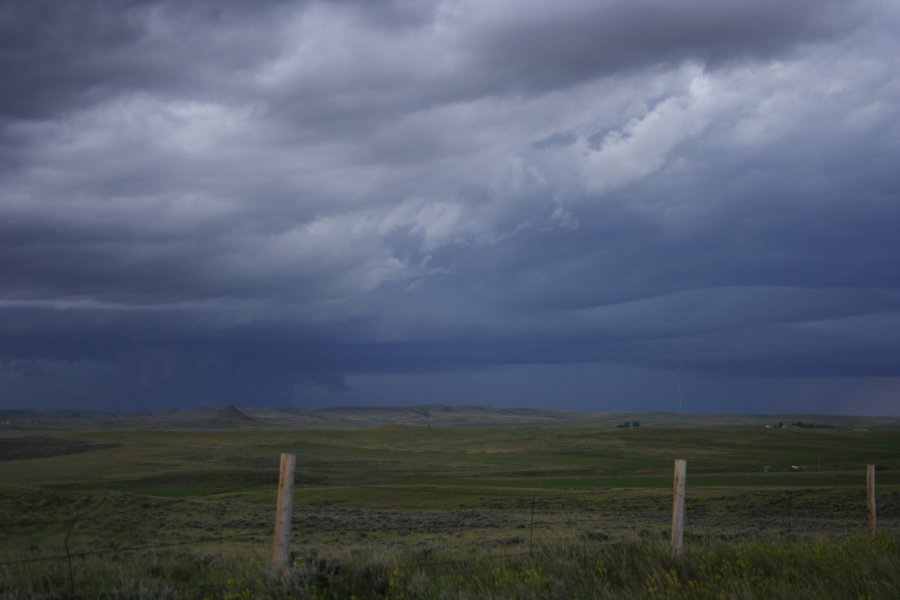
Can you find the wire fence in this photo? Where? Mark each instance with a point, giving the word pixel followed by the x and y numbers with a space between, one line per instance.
pixel 486 524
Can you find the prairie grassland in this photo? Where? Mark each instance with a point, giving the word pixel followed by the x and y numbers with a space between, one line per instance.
pixel 400 511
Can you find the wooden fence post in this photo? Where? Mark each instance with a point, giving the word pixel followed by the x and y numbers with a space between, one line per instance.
pixel 678 485
pixel 281 546
pixel 870 496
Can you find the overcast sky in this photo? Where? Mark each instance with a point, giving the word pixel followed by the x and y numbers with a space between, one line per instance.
pixel 593 205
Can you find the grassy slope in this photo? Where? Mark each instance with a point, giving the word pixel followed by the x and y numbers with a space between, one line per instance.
pixel 527 457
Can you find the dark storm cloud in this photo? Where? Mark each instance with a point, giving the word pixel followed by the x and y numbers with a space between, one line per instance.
pixel 59 57
pixel 465 51
pixel 532 45
pixel 287 202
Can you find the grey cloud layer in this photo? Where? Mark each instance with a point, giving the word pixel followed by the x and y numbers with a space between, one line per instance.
pixel 198 196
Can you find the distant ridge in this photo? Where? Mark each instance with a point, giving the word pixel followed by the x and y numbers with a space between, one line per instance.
pixel 429 415
pixel 231 413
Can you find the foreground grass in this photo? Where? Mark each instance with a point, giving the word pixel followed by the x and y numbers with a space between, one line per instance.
pixel 854 567
pixel 851 568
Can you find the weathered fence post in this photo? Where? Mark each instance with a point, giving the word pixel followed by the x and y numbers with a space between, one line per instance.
pixel 870 496
pixel 678 506
pixel 281 547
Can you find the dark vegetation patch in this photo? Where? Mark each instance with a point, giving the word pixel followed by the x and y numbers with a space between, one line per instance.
pixel 185 483
pixel 320 519
pixel 212 478
pixel 41 447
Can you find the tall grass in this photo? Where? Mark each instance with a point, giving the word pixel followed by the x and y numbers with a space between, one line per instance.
pixel 855 567
pixel 847 568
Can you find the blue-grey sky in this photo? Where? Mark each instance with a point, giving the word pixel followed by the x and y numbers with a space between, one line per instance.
pixel 595 205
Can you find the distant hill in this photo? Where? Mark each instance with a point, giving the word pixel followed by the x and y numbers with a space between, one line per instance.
pixel 482 416
pixel 228 417
pixel 231 413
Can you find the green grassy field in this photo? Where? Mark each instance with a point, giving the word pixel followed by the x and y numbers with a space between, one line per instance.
pixel 88 507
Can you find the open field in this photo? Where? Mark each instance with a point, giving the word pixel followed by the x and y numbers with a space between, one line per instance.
pixel 189 512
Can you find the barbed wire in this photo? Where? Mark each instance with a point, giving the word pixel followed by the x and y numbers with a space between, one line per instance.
pixel 517 500
pixel 408 565
pixel 496 491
